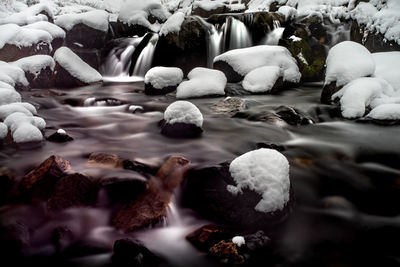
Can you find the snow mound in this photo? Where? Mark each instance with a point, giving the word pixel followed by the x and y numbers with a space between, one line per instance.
pixel 35 64
pixel 26 132
pixel 8 109
pixel 12 75
pixel 3 130
pixel 25 127
pixel 289 12
pixel 247 59
pixel 173 24
pixel 208 5
pixel 202 82
pixel 22 37
pixel 362 93
pixel 265 171
pixel 385 112
pixel 9 96
pixel 76 66
pixel 96 19
pixel 4 85
pixel 52 29
pixel 238 241
pixel 28 15
pixel 262 79
pixel 348 61
pixel 161 77
pixel 183 112
pixel 387 67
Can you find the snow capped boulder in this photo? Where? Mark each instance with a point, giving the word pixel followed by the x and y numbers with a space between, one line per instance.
pixel 34 13
pixel 264 79
pixel 88 29
pixel 385 112
pixel 346 62
pixel 25 127
pixel 38 70
pixel 72 71
pixel 253 192
pixel 12 75
pixel 182 119
pixel 56 32
pixel 173 24
pixel 387 67
pixel 202 82
pixel 25 108
pixel 162 80
pixel 60 136
pixel 9 96
pixel 3 130
pixel 239 62
pixel 18 42
pixel 206 8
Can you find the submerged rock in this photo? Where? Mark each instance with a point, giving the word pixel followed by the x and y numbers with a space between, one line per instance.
pixel 229 106
pixel 131 252
pixel 104 160
pixel 60 136
pixel 208 235
pixel 227 253
pixel 293 116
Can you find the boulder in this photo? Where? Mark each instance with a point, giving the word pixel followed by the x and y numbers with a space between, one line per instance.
pixel 14 240
pixel 227 253
pixel 104 160
pixel 208 235
pixel 131 252
pixel 230 73
pixel 293 116
pixel 328 91
pixel 39 183
pixel 199 10
pixel 60 136
pixel 229 106
pixel 11 52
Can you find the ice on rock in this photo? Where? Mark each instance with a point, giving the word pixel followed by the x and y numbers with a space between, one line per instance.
pixel 96 19
pixel 161 77
pixel 265 171
pixel 173 24
pixel 262 79
pixel 183 112
pixel 75 66
pixel 202 82
pixel 348 61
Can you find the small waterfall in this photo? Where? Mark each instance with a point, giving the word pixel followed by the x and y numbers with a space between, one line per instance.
pixel 338 33
pixel 145 59
pixel 275 35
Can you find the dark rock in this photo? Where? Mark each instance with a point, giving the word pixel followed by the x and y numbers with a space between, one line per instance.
pixel 256 242
pixel 180 130
pixel 198 11
pixel 91 56
pixel 131 252
pixel 38 183
pixel 150 207
pixel 41 80
pixel 235 89
pixel 229 106
pixel 327 91
pixel 104 160
pixel 11 52
pixel 263 23
pixel 14 240
pixel 185 49
pixel 206 192
pixel 74 190
pixel 142 167
pixel 85 248
pixel 83 36
pixel 62 78
pixel 59 137
pixel 56 43
pixel 293 116
pixel 227 253
pixel 271 145
pixel 208 235
pixel 120 29
pixel 255 114
pixel 7 182
pixel 231 75
pixel 61 238
pixel 150 90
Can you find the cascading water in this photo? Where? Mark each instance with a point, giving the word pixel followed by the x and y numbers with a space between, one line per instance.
pixel 145 59
pixel 275 35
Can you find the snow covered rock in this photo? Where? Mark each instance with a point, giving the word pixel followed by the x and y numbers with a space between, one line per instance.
pixel 25 127
pixel 173 24
pixel 9 96
pixel 12 75
pixel 182 119
pixel 60 136
pixel 387 67
pixel 18 42
pixel 71 70
pixel 239 62
pixel 264 79
pixel 346 62
pixel 388 112
pixel 202 82
pixel 88 29
pixel 238 241
pixel 162 80
pixel 206 8
pixel 38 12
pixel 56 32
pixel 38 70
pixel 23 107
pixel 3 130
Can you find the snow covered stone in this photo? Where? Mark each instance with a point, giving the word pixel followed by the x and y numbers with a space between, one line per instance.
pixel 238 63
pixel 72 71
pixel 25 127
pixel 9 96
pixel 263 79
pixel 390 112
pixel 38 70
pixel 56 32
pixel 289 12
pixel 265 171
pixel 238 241
pixel 206 8
pixel 3 130
pixel 162 80
pixel 173 24
pixel 387 67
pixel 25 108
pixel 38 12
pixel 60 136
pixel 202 82
pixel 27 132
pixel 182 119
pixel 12 75
pixel 346 62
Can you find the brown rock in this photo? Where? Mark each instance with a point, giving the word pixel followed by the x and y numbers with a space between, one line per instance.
pixel 74 190
pixel 227 253
pixel 41 80
pixel 38 183
pixel 230 73
pixel 11 52
pixel 151 206
pixel 208 235
pixel 104 160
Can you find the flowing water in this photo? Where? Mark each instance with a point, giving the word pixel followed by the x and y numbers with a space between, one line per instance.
pixel 345 175
pixel 275 35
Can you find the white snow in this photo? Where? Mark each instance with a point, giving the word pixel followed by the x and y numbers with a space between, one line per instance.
pixel 52 29
pixel 348 61
pixel 96 19
pixel 3 130
pixel 12 75
pixel 207 5
pixel 262 79
pixel 35 64
pixel 28 15
pixel 22 37
pixel 173 24
pixel 183 112
pixel 25 108
pixel 9 96
pixel 161 77
pixel 4 85
pixel 362 93
pixel 7 31
pixel 247 59
pixel 25 127
pixel 265 171
pixel 387 67
pixel 238 241
pixel 385 112
pixel 202 82
pixel 26 132
pixel 289 12
pixel 76 66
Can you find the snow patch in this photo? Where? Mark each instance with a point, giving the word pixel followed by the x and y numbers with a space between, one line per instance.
pixel 161 77
pixel 9 96
pixel 96 19
pixel 52 29
pixel 238 241
pixel 173 24
pixel 385 112
pixel 262 79
pixel 183 112
pixel 35 64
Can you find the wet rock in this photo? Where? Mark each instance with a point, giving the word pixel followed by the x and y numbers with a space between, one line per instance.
pixel 293 116
pixel 7 182
pixel 150 207
pixel 74 190
pixel 229 106
pixel 235 89
pixel 180 130
pixel 185 49
pixel 91 56
pixel 61 238
pixel 263 23
pixel 256 242
pixel 11 52
pixel 268 116
pixel 327 91
pixel 150 90
pixel 231 75
pixel 131 252
pixel 206 192
pixel 85 248
pixel 227 253
pixel 38 183
pixel 199 11
pixel 41 80
pixel 271 145
pixel 208 235
pixel 104 160
pixel 102 101
pixel 14 240
pixel 60 136
pixel 141 166
pixel 84 36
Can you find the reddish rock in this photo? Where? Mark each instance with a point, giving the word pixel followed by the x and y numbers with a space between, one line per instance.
pixel 208 235
pixel 226 252
pixel 151 206
pixel 38 183
pixel 11 52
pixel 104 160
